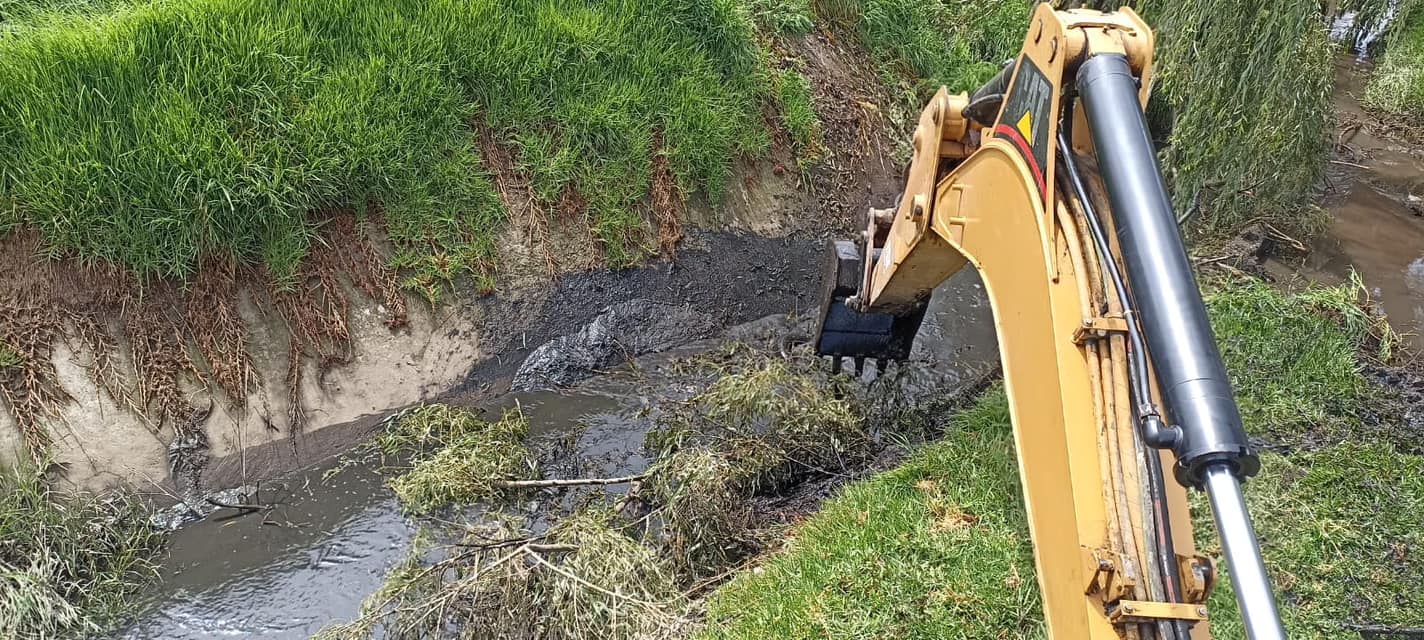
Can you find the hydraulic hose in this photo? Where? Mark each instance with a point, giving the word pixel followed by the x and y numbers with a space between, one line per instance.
pixel 1149 418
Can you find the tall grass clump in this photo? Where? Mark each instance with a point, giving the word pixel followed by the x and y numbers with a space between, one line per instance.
pixel 1248 85
pixel 159 133
pixel 69 564
pixel 1397 86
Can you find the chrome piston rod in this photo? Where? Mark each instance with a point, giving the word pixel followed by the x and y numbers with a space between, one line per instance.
pixel 1207 436
pixel 1243 556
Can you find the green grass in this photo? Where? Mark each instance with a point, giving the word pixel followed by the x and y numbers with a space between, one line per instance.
pixel 1248 85
pixel 956 44
pixel 161 132
pixel 69 564
pixel 1397 86
pixel 9 357
pixel 937 548
pixel 1294 358
pixel 798 117
pixel 153 134
pixel 1342 530
pixel 790 17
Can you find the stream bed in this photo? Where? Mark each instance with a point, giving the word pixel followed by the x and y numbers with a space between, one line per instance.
pixel 328 542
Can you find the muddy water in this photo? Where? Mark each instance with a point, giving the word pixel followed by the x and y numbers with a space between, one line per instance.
pixel 1377 227
pixel 309 562
pixel 326 545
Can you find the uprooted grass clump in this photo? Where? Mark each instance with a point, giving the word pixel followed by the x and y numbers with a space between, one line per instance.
pixel 586 579
pixel 454 456
pixel 1248 86
pixel 763 424
pixel 68 563
pixel 1295 359
pixel 937 548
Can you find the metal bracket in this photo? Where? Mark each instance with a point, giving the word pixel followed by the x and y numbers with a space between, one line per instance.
pixel 1109 580
pixel 1198 577
pixel 1100 327
pixel 1130 611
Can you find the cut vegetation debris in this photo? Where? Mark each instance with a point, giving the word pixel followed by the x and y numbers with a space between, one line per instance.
pixel 584 580
pixel 69 564
pixel 454 457
pixel 614 564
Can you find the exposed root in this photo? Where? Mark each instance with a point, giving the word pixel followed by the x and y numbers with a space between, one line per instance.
pixel 353 248
pixel 218 331
pixel 28 382
pixel 160 359
pixel 667 202
pixel 134 339
pixel 516 192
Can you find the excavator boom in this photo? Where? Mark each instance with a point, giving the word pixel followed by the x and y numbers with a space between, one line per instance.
pixel 1046 182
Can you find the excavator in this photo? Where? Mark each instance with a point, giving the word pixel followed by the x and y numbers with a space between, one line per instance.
pixel 1045 180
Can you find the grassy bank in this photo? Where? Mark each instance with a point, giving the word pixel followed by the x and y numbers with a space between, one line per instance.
pixel 69 565
pixel 938 548
pixel 157 134
pixel 160 133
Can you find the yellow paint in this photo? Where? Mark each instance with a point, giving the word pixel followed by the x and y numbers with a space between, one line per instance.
pixel 1025 127
pixel 1064 372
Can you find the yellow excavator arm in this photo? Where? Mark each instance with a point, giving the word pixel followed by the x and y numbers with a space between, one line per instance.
pixel 1045 180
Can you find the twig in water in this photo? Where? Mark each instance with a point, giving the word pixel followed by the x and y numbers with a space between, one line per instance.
pixel 245 508
pixel 575 482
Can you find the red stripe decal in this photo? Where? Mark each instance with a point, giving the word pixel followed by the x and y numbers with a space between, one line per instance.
pixel 1014 136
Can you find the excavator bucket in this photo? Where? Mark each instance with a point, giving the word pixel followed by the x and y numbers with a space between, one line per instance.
pixel 843 331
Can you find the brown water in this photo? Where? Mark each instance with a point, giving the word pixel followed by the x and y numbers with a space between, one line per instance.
pixel 1376 228
pixel 329 543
